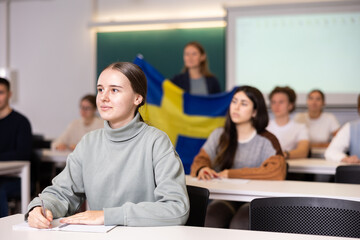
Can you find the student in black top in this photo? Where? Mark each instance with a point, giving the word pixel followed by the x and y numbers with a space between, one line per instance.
pixel 15 143
pixel 196 77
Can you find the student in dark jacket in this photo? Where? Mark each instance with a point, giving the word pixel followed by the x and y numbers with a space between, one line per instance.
pixel 15 144
pixel 196 77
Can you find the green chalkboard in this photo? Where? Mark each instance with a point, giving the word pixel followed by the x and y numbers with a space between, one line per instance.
pixel 162 48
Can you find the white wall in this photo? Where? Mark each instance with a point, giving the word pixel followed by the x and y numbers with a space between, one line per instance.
pixel 52 52
pixel 2 34
pixel 52 49
pixel 169 9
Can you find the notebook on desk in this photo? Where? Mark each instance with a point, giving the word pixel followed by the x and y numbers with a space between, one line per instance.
pixel 57 226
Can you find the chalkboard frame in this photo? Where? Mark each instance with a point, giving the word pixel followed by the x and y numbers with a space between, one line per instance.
pixel 162 48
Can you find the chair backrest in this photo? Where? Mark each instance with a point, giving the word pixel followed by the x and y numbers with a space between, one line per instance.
pixel 348 174
pixel 317 216
pixel 199 198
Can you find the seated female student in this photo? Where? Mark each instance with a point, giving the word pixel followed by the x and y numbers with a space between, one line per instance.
pixel 79 127
pixel 196 77
pixel 128 171
pixel 322 126
pixel 293 136
pixel 241 149
pixel 347 140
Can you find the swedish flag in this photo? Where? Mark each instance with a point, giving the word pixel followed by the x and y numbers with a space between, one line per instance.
pixel 187 119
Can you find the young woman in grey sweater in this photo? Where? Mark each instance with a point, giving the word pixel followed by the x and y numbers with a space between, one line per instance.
pixel 129 172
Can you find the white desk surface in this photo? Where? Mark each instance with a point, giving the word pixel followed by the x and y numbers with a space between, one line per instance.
pixel 19 169
pixel 48 155
pixel 247 190
pixel 318 152
pixel 313 166
pixel 149 233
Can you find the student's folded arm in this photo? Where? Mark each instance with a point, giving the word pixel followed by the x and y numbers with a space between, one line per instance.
pixel 201 160
pixel 339 145
pixel 63 139
pixel 273 168
pixel 301 150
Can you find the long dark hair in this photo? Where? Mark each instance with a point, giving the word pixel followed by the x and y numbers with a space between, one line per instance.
pixel 136 77
pixel 226 149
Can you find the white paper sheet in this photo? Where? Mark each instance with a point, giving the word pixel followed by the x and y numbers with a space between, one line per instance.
pixel 57 226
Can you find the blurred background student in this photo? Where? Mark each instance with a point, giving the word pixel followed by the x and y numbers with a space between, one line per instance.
pixel 345 146
pixel 15 144
pixel 196 77
pixel 241 149
pixel 79 127
pixel 322 126
pixel 293 136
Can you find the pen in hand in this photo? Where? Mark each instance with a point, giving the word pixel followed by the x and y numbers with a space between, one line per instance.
pixel 43 207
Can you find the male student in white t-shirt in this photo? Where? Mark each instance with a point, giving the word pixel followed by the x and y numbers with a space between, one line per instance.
pixel 293 136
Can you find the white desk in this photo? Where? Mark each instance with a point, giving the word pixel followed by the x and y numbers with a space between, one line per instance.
pixel 318 152
pixel 150 233
pixel 247 190
pixel 313 166
pixel 54 156
pixel 19 169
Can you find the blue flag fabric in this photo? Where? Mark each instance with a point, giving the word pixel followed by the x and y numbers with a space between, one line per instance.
pixel 187 119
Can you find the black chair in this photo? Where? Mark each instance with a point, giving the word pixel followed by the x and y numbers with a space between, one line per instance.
pixel 348 174
pixel 199 198
pixel 40 142
pixel 316 216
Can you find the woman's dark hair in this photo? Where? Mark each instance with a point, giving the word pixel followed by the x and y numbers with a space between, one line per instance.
pixel 290 93
pixel 136 77
pixel 90 98
pixel 318 91
pixel 204 66
pixel 228 140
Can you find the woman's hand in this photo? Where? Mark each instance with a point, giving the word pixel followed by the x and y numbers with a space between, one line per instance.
pixel 351 159
pixel 88 217
pixel 72 147
pixel 61 147
pixel 37 220
pixel 224 173
pixel 207 173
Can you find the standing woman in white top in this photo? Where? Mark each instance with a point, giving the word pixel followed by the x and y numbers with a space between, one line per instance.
pixel 293 136
pixel 79 127
pixel 322 126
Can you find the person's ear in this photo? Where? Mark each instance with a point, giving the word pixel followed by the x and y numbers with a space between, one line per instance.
pixel 254 113
pixel 290 107
pixel 203 57
pixel 138 99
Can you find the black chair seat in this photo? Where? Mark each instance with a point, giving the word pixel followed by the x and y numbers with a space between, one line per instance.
pixel 317 216
pixel 348 174
pixel 199 198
